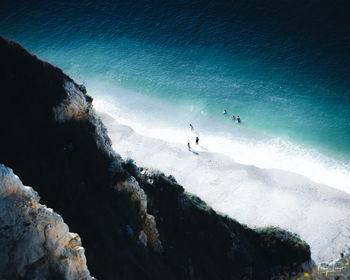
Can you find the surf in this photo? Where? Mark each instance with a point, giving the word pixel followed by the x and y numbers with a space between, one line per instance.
pixel 155 118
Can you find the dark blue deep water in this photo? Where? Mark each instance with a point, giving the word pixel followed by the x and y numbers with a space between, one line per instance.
pixel 283 66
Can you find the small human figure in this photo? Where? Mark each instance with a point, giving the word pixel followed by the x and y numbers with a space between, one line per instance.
pixel 189 146
pixel 233 117
pixel 224 112
pixel 238 119
pixel 197 140
pixel 192 128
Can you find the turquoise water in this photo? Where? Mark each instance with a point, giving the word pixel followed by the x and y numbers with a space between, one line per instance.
pixel 282 66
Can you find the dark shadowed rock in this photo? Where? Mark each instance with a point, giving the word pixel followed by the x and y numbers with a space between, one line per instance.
pixel 134 224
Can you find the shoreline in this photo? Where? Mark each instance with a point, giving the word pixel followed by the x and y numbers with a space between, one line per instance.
pixel 255 196
pixel 152 118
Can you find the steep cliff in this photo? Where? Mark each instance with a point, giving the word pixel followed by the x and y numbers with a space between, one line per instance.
pixel 35 242
pixel 135 223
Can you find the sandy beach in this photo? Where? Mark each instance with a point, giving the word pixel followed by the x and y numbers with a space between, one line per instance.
pixel 254 196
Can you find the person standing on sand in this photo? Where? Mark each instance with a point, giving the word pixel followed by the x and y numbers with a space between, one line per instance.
pixel 189 146
pixel 192 128
pixel 197 140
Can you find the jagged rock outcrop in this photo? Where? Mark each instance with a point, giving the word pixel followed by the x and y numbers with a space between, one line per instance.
pixel 135 223
pixel 149 233
pixel 77 106
pixel 35 242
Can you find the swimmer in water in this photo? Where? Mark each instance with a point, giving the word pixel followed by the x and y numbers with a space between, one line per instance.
pixel 224 112
pixel 238 119
pixel 191 126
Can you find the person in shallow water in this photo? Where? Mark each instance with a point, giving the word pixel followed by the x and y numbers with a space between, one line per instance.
pixel 224 112
pixel 233 117
pixel 238 119
pixel 191 126
pixel 197 140
pixel 189 146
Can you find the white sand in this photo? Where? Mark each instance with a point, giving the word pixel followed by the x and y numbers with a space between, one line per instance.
pixel 251 195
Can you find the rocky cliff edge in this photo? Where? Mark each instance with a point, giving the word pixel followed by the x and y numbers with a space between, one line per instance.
pixel 35 242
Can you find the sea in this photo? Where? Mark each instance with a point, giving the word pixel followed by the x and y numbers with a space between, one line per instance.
pixel 282 66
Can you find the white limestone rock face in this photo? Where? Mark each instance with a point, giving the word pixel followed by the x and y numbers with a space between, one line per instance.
pixel 75 106
pixel 35 242
pixel 149 235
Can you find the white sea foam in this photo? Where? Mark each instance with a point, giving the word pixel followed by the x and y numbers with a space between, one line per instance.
pixel 154 118
pixel 257 182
